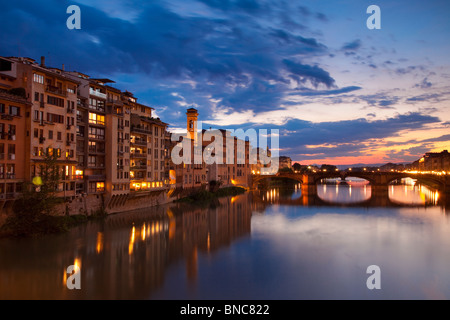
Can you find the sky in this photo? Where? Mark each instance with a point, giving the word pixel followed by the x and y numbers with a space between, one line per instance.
pixel 337 91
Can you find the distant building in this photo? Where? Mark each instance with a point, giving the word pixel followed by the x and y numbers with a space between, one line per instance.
pixel 435 161
pixel 392 167
pixel 200 175
pixel 285 162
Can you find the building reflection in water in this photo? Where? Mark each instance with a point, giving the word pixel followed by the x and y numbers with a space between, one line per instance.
pixel 124 257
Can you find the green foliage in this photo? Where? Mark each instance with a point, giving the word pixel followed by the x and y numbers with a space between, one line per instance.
pixel 204 196
pixel 33 212
pixel 285 170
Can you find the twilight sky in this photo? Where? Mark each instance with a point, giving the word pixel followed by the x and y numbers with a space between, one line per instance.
pixel 338 92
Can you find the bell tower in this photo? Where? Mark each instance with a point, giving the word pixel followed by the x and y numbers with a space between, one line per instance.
pixel 192 116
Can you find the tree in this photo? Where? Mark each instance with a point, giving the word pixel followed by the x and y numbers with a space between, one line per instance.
pixel 33 211
pixel 297 166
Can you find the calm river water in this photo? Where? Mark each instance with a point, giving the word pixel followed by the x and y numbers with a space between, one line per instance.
pixel 273 244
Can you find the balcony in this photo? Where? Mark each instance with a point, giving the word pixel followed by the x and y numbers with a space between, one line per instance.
pixel 96 150
pixel 70 110
pixel 7 117
pixel 55 90
pixel 96 177
pixel 138 155
pixel 139 142
pixel 41 140
pixel 82 104
pixel 96 93
pixel 140 130
pixel 10 175
pixel 138 167
pixel 11 156
pixel 68 143
pixel 97 108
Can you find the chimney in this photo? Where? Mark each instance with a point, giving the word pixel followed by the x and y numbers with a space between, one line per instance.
pixel 42 61
pixel 63 67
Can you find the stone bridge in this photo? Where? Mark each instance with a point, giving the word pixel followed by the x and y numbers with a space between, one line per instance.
pixel 441 182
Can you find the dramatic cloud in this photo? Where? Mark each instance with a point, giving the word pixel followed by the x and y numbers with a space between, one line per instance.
pixel 312 69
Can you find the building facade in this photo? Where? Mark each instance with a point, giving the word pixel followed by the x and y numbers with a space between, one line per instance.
pixel 107 144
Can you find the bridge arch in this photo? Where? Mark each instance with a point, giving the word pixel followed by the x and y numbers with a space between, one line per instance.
pixel 295 177
pixel 426 180
pixel 343 175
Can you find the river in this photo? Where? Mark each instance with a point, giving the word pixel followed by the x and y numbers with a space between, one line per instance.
pixel 271 244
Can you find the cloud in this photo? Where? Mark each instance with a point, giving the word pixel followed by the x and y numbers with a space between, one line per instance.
pixel 424 84
pixel 352 46
pixel 314 74
pixel 442 138
pixel 308 92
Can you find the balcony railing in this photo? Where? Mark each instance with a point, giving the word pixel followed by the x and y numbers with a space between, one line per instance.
pixel 55 90
pixel 138 167
pixel 96 150
pixel 138 155
pixel 97 93
pixel 139 142
pixel 96 177
pixel 140 130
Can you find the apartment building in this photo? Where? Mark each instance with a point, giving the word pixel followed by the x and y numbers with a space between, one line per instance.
pixel 48 118
pixel 147 148
pixel 435 161
pixel 106 142
pixel 13 109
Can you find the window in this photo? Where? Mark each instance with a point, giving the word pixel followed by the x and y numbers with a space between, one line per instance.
pixel 50 134
pixel 11 132
pixel 11 151
pixel 14 111
pixel 58 136
pixel 91 161
pixel 96 118
pixel 55 101
pixel 96 133
pixel 38 78
pixel 80 131
pixel 2 108
pixel 55 118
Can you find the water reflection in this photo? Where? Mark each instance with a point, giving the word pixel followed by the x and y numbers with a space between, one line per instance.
pixel 125 257
pixel 282 243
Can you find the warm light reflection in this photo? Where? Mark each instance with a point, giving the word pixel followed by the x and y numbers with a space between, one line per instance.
pixel 131 243
pixel 100 241
pixel 143 232
pixel 412 194
pixel 77 264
